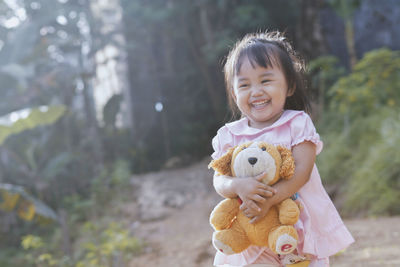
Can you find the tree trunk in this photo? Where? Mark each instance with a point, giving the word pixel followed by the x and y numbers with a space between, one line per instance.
pixel 346 9
pixel 87 65
pixel 205 25
pixel 310 38
pixel 66 237
pixel 110 13
pixel 311 42
pixel 349 32
pixel 96 145
pixel 203 67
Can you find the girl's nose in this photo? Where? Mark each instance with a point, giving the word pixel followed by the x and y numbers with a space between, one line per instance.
pixel 257 91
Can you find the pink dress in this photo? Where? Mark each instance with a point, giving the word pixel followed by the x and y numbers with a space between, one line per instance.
pixel 321 231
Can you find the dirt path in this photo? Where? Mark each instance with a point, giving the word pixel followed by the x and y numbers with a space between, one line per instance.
pixel 182 238
pixel 186 241
pixel 377 243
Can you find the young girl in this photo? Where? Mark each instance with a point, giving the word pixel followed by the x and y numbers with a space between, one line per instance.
pixel 264 80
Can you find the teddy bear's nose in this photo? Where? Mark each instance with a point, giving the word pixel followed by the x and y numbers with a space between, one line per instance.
pixel 252 160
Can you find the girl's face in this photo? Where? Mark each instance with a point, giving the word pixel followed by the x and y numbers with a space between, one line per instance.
pixel 260 93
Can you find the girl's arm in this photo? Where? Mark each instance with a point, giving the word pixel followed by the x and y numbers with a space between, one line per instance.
pixel 304 157
pixel 250 189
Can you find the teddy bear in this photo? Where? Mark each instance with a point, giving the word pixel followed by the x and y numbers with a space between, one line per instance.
pixel 233 231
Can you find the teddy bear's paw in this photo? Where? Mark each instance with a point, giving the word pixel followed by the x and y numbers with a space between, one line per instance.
pixel 219 245
pixel 285 244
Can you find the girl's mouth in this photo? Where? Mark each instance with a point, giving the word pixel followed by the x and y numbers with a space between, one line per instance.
pixel 260 104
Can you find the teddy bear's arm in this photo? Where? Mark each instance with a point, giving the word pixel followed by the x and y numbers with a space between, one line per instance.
pixel 288 212
pixel 224 213
pixel 287 168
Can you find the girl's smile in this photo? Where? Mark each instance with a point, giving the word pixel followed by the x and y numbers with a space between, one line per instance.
pixel 260 93
pixel 260 104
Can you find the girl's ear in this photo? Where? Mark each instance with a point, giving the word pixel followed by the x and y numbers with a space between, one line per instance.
pixel 223 164
pixel 287 167
pixel 291 90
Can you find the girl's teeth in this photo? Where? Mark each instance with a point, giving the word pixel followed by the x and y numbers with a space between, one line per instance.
pixel 260 103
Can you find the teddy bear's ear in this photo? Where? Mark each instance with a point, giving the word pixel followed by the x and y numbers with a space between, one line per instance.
pixel 223 164
pixel 287 168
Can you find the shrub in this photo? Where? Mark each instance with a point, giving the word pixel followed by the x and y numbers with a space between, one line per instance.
pixel 361 162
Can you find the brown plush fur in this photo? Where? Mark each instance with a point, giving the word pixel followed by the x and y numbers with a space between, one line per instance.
pixel 223 165
pixel 287 168
pixel 233 228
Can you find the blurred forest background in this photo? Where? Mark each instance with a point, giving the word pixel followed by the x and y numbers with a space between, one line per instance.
pixel 95 91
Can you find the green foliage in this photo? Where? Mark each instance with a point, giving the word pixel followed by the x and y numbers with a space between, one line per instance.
pixel 25 119
pixel 112 246
pixel 28 207
pixel 360 160
pixel 31 242
pixel 120 173
pixel 245 15
pixel 11 257
pixel 361 166
pixel 345 8
pixel 373 84
pixel 100 245
pixel 109 182
pixel 80 207
pixel 37 252
pixel 375 185
pixel 325 71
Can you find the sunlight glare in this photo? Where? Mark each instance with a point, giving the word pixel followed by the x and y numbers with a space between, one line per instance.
pixel 159 106
pixel 36 5
pixel 11 23
pixel 62 20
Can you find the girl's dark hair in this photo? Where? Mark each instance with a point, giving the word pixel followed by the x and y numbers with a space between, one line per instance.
pixel 269 49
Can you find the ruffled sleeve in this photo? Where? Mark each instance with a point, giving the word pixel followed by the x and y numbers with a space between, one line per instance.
pixel 221 142
pixel 302 129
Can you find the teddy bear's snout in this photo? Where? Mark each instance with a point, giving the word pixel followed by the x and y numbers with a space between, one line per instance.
pixel 252 160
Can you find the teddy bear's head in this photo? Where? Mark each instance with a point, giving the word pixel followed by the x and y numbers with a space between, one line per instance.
pixel 252 158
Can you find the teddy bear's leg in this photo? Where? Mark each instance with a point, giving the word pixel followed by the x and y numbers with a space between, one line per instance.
pixel 224 213
pixel 232 240
pixel 289 212
pixel 283 239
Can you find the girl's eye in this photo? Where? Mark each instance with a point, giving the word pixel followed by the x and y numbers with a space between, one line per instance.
pixel 263 148
pixel 243 148
pixel 243 85
pixel 265 81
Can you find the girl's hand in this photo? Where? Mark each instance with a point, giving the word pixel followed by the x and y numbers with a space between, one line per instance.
pixel 304 157
pixel 257 216
pixel 252 192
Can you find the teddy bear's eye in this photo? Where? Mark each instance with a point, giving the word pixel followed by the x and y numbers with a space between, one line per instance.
pixel 263 148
